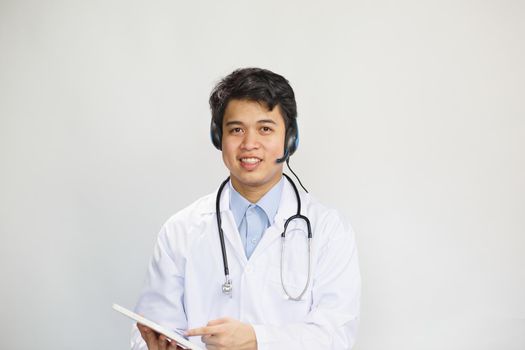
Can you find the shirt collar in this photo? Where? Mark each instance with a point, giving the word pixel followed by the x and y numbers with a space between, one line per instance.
pixel 269 203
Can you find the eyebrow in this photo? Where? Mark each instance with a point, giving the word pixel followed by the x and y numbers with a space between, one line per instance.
pixel 262 121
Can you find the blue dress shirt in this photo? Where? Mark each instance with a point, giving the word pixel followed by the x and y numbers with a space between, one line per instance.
pixel 253 219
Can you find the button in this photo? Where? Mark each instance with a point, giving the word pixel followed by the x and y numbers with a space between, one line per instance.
pixel 248 269
pixel 254 240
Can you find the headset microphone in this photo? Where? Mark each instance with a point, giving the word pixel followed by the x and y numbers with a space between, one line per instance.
pixel 284 158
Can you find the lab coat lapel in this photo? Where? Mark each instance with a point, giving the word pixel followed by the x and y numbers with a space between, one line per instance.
pixel 229 227
pixel 287 208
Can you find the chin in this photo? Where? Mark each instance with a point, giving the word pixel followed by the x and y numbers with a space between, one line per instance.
pixel 254 179
pixel 250 180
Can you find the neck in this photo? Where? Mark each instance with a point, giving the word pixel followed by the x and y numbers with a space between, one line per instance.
pixel 254 193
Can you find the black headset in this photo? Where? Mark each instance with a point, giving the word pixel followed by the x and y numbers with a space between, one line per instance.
pixel 291 140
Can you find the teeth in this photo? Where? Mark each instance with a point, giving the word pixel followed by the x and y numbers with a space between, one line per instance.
pixel 250 160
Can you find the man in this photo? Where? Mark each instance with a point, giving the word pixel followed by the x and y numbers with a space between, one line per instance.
pixel 249 288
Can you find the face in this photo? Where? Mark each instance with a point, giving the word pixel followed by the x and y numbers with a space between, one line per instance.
pixel 252 140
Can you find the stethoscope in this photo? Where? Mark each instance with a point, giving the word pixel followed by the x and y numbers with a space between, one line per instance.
pixel 227 286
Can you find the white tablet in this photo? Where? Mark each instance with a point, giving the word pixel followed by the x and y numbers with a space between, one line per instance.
pixel 172 335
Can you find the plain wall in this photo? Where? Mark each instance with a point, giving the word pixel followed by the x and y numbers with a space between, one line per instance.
pixel 412 122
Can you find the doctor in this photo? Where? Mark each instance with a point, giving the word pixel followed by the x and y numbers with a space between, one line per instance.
pixel 250 287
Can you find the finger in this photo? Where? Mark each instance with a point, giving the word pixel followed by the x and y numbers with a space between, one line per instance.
pixel 206 339
pixel 212 341
pixel 164 342
pixel 201 331
pixel 142 330
pixel 142 334
pixel 211 330
pixel 219 321
pixel 152 340
pixel 149 336
pixel 173 346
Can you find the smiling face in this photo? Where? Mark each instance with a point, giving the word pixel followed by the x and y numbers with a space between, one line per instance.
pixel 252 141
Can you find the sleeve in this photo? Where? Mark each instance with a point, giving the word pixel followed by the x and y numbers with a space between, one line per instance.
pixel 334 316
pixel 161 299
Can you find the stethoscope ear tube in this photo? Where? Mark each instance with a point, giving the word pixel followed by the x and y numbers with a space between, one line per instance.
pixel 227 286
pixel 294 217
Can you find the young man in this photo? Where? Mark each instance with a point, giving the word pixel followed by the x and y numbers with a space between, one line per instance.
pixel 222 271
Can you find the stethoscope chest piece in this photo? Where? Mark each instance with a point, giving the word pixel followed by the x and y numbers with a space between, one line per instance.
pixel 227 287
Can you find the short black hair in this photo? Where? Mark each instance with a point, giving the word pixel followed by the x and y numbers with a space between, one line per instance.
pixel 254 84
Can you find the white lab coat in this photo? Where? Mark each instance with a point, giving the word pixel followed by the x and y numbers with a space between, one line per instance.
pixel 185 276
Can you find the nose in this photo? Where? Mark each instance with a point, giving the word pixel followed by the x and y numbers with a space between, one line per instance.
pixel 250 141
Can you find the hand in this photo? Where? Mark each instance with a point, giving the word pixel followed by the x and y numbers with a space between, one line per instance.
pixel 156 341
pixel 226 333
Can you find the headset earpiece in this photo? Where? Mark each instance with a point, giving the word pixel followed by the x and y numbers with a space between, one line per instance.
pixel 216 135
pixel 291 141
pixel 292 138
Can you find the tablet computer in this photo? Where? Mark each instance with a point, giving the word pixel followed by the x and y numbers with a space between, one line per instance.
pixel 180 339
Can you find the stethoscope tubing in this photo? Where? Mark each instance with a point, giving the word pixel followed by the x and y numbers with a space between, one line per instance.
pixel 227 286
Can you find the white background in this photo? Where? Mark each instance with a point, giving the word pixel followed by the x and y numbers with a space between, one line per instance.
pixel 412 122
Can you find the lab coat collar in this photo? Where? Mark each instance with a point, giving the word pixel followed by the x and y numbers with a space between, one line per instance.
pixel 287 205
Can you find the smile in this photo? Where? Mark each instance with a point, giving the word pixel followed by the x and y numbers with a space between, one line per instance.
pixel 250 160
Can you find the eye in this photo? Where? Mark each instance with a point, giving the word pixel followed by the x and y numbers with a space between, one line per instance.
pixel 235 131
pixel 266 129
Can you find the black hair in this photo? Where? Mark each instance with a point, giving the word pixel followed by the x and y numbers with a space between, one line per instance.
pixel 254 84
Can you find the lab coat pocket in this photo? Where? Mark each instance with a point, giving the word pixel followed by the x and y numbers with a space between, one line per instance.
pixel 289 269
pixel 292 282
pixel 287 309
